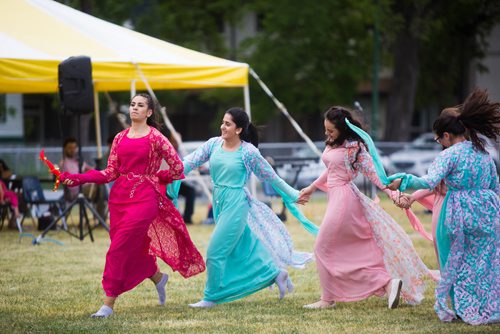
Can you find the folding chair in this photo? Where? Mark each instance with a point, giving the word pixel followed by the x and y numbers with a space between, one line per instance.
pixel 34 198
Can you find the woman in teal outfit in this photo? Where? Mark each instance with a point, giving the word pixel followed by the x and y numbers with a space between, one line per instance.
pixel 250 247
pixel 468 229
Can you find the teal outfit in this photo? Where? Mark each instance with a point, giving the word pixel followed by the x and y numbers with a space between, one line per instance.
pixel 249 245
pixel 238 263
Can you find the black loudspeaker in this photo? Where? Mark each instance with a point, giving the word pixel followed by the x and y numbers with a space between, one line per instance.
pixel 76 89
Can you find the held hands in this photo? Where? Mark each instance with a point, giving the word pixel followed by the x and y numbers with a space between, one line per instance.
pixel 394 185
pixel 305 195
pixel 404 201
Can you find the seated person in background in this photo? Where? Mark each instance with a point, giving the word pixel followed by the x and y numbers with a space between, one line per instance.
pixel 69 164
pixel 5 172
pixel 9 197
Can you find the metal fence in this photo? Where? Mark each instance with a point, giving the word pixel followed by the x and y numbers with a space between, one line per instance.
pixel 23 160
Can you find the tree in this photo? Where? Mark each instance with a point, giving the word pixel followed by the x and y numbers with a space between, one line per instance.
pixel 311 55
pixel 433 44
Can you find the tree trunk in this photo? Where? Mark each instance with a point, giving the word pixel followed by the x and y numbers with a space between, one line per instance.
pixel 401 101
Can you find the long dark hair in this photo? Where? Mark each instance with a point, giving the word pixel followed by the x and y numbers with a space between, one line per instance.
pixel 477 115
pixel 337 116
pixel 152 120
pixel 249 131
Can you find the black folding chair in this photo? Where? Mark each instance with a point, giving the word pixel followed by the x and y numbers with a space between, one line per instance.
pixel 34 198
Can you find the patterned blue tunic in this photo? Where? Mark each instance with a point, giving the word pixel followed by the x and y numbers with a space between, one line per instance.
pixel 468 233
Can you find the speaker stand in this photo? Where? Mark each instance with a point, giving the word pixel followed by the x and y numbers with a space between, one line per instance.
pixel 83 204
pixel 84 222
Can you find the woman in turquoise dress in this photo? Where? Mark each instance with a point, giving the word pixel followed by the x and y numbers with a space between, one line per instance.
pixel 468 229
pixel 250 247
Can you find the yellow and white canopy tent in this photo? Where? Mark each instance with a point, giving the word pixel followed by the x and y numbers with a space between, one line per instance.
pixel 36 35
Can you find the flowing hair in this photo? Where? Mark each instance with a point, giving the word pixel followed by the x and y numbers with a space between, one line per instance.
pixel 477 115
pixel 337 116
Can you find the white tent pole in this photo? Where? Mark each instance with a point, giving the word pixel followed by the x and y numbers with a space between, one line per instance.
pixel 174 133
pixel 97 114
pixel 246 96
pixel 282 108
pixel 132 89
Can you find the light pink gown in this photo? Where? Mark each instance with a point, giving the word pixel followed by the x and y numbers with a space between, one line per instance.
pixel 359 247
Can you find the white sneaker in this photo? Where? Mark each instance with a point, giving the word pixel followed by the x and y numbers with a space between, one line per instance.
pixel 320 305
pixel 104 312
pixel 393 297
pixel 202 304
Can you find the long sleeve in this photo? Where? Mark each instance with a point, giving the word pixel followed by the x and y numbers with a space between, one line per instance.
pixel 438 170
pixel 422 193
pixel 425 197
pixel 191 162
pixel 321 181
pixel 265 173
pixel 111 170
pixel 494 185
pixel 169 154
pixel 364 164
pixel 199 156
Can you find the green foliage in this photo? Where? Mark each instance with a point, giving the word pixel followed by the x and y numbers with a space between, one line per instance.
pixel 312 55
pixel 454 44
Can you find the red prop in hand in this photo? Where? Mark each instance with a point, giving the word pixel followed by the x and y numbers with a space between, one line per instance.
pixel 52 169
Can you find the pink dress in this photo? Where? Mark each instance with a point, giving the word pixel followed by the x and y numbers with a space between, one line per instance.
pixel 359 247
pixel 144 224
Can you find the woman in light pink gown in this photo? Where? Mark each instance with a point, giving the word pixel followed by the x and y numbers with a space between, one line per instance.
pixel 144 224
pixel 360 250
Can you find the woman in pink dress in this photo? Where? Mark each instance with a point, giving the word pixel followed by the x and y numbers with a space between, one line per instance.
pixel 360 250
pixel 144 224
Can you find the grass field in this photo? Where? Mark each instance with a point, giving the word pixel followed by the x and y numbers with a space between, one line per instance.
pixel 53 289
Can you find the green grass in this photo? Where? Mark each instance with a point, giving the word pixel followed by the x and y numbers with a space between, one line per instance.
pixel 53 289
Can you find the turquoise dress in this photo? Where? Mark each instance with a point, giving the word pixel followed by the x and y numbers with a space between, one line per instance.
pixel 249 245
pixel 238 263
